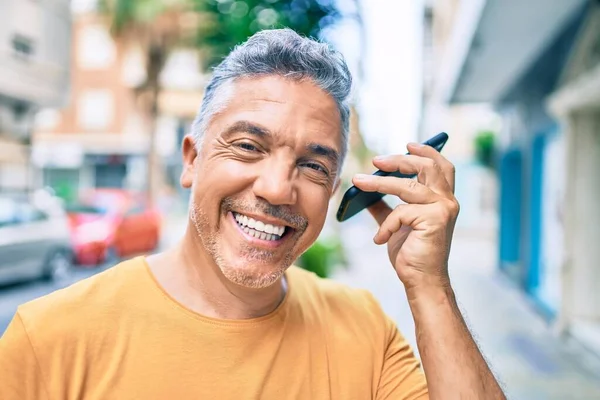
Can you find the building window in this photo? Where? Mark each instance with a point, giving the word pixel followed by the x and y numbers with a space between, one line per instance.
pixel 95 48
pixel 22 46
pixel 95 109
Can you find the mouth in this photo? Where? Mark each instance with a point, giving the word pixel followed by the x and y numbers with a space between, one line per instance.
pixel 261 232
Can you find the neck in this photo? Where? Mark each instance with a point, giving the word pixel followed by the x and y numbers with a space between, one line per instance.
pixel 190 276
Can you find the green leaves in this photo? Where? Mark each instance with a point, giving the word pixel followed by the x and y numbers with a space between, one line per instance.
pixel 221 23
pixel 230 22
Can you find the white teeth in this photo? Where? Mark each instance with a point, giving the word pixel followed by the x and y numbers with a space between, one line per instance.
pixel 263 236
pixel 250 224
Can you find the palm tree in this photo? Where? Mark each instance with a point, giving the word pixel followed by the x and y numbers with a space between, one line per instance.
pixel 211 26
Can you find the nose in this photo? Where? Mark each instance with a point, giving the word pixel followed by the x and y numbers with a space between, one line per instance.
pixel 276 183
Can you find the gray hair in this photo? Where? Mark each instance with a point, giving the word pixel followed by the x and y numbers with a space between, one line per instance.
pixel 285 53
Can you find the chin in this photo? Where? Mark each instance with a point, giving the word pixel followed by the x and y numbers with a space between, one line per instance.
pixel 252 274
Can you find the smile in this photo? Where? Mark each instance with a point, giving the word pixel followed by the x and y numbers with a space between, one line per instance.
pixel 259 229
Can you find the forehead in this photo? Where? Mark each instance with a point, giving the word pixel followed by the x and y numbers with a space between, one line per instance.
pixel 284 106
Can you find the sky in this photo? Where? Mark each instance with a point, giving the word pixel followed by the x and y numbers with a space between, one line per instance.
pixel 389 97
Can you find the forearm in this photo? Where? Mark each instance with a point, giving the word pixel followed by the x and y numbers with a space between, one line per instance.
pixel 453 365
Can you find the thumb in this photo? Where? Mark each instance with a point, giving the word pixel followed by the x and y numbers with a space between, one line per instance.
pixel 380 211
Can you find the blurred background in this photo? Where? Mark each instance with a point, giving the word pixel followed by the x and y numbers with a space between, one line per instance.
pixel 96 95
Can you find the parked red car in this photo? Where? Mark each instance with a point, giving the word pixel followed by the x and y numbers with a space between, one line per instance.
pixel 108 224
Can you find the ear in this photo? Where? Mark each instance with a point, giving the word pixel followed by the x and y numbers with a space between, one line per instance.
pixel 189 154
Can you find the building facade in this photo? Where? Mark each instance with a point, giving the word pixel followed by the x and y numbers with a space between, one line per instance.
pixel 99 135
pixel 35 39
pixel 101 138
pixel 446 24
pixel 537 63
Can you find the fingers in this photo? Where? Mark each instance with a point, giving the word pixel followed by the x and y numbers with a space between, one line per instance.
pixel 380 211
pixel 409 190
pixel 417 216
pixel 446 167
pixel 405 214
pixel 427 170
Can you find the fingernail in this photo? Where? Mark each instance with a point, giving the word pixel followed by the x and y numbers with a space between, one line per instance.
pixel 361 177
pixel 381 158
pixel 413 144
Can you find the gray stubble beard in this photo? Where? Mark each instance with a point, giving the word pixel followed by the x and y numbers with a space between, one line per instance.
pixel 254 278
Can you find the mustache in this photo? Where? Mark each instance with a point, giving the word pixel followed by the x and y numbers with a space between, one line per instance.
pixel 283 213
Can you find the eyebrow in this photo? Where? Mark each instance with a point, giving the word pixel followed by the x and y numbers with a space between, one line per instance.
pixel 315 149
pixel 248 127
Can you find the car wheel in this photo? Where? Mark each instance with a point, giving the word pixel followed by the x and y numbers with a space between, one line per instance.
pixel 58 266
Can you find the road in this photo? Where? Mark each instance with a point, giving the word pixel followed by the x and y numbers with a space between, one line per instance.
pixel 14 295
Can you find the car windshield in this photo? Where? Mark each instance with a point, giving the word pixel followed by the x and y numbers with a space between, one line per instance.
pixel 85 209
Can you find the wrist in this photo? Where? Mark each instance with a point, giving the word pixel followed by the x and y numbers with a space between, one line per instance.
pixel 431 292
pixel 426 282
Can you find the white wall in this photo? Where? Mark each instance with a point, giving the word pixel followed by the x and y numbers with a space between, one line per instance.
pixel 552 248
pixel 584 227
pixel 41 77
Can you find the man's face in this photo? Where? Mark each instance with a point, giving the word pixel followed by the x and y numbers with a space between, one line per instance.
pixel 263 177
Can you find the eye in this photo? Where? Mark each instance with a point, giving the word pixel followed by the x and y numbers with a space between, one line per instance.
pixel 316 167
pixel 247 146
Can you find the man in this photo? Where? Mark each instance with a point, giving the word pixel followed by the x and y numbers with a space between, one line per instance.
pixel 222 315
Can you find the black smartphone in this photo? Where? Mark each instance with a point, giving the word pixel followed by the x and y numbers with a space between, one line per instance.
pixel 355 200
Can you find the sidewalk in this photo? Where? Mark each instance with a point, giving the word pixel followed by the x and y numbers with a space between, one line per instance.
pixel 529 360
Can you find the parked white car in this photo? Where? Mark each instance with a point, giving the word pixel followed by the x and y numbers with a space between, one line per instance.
pixel 34 238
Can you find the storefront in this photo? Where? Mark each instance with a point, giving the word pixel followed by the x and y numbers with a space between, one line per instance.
pixel 576 104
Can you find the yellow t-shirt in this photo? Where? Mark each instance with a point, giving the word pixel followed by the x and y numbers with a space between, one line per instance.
pixel 118 335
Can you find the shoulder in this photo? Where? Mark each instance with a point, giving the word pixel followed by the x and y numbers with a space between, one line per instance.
pixel 83 302
pixel 340 302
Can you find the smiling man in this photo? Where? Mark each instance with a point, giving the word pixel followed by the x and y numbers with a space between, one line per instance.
pixel 223 314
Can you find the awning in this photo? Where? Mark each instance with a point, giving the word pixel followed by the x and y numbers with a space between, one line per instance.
pixel 509 37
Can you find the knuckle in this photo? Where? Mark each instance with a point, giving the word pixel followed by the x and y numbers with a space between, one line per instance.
pixel 411 184
pixel 448 209
pixel 451 168
pixel 452 208
pixel 429 163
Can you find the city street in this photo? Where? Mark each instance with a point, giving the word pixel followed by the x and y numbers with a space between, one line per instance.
pixel 14 295
pixel 529 359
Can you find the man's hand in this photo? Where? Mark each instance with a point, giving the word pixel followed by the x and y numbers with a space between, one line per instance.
pixel 419 232
pixel 418 235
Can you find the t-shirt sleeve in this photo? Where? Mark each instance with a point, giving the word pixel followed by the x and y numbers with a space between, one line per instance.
pixel 402 377
pixel 20 374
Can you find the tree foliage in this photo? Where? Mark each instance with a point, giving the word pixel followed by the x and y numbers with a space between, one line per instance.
pixel 229 22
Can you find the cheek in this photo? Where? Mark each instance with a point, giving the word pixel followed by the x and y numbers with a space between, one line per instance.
pixel 221 178
pixel 314 202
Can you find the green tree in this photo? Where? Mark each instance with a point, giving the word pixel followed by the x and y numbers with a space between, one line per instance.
pixel 229 22
pixel 485 148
